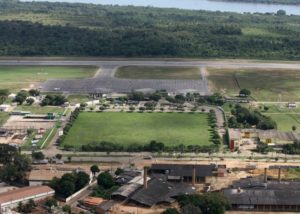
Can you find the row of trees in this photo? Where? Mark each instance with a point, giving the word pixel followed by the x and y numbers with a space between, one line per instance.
pixel 68 126
pixel 54 100
pixel 153 146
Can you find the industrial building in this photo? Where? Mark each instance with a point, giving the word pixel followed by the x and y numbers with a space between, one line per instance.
pixel 11 199
pixel 148 191
pixel 184 172
pixel 260 194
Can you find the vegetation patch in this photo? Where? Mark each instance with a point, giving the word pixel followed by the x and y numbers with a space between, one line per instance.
pixel 18 77
pixel 264 84
pixel 3 117
pixel 156 72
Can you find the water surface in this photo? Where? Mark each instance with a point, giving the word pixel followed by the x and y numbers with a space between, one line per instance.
pixel 196 5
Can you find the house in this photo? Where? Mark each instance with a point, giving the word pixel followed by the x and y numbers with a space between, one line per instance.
pixel 11 199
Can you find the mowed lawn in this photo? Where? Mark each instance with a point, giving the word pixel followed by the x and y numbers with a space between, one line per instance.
pixel 158 72
pixel 265 84
pixel 17 77
pixel 127 128
pixel 286 121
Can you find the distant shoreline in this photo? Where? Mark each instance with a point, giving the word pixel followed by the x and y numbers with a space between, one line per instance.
pixel 271 2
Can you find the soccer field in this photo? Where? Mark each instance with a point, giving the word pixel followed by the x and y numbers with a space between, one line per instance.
pixel 17 77
pixel 127 128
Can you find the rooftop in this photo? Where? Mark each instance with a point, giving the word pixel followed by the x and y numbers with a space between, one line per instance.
pixel 185 169
pixel 159 191
pixel 24 192
pixel 263 196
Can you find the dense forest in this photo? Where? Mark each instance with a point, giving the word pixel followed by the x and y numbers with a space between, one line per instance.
pixel 291 2
pixel 64 29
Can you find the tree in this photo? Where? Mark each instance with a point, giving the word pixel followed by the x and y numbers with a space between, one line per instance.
pixel 69 159
pixel 156 96
pixel 58 156
pixel 3 95
pixel 14 172
pixel 95 169
pixel 54 100
pixel 245 92
pixel 51 202
pixel 266 108
pixel 281 13
pixel 29 101
pixel 81 180
pixel 105 180
pixel 137 96
pixel 119 171
pixel 21 97
pixel 209 203
pixel 38 155
pixel 7 153
pixel 67 209
pixel 34 92
pixel 131 108
pixel 190 209
pixel 69 183
pixel 294 128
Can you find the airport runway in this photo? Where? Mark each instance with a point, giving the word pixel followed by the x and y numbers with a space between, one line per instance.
pixel 105 82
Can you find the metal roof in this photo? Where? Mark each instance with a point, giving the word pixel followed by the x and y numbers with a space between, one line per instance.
pixel 263 196
pixel 185 170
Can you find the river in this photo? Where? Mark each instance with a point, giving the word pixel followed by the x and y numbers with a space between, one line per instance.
pixel 197 5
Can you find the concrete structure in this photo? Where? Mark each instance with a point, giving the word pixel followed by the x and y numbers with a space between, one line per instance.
pixel 11 199
pixel 4 107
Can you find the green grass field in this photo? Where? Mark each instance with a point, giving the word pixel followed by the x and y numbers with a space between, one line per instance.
pixel 127 128
pixel 40 109
pixel 74 99
pixel 155 72
pixel 17 77
pixel 265 84
pixel 3 117
pixel 286 121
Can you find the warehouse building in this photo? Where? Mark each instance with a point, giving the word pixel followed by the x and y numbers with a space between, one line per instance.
pixel 184 172
pixel 11 199
pixel 260 194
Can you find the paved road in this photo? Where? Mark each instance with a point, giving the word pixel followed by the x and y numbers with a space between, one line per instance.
pixel 105 82
pixel 197 63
